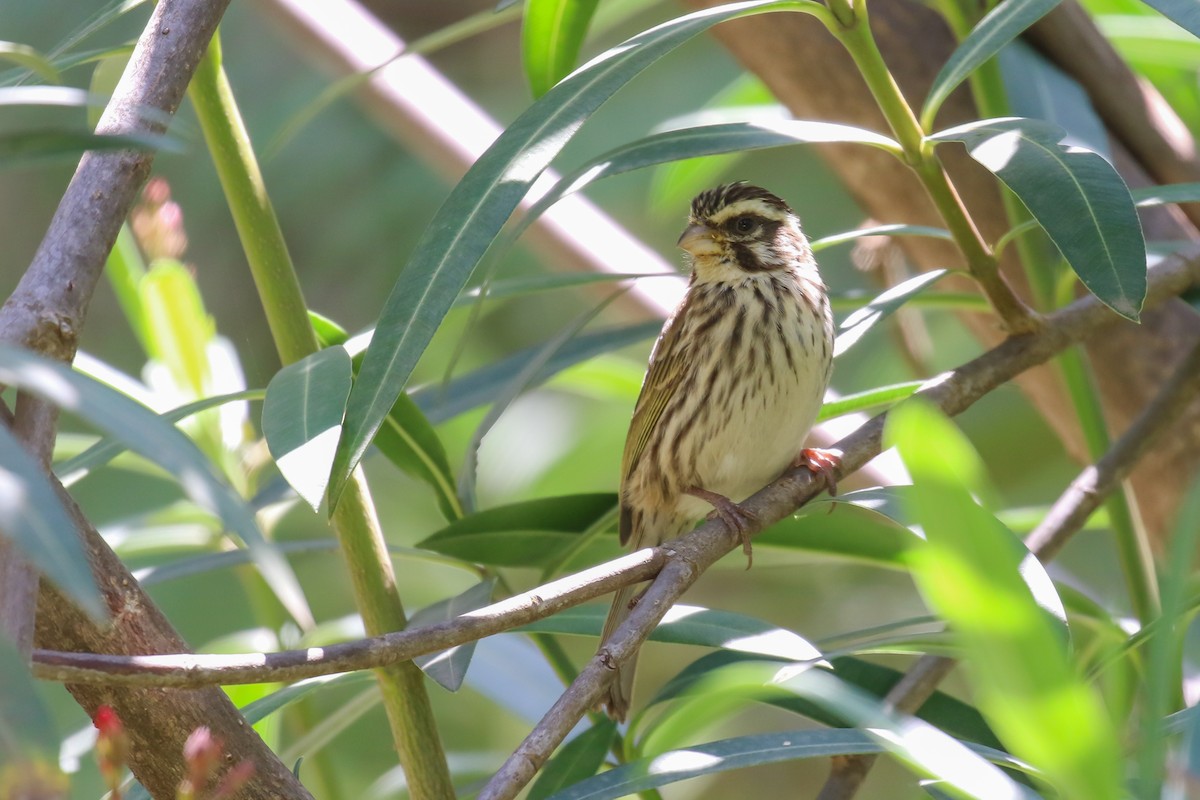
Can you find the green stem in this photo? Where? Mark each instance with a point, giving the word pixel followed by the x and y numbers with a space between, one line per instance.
pixel 405 699
pixel 853 30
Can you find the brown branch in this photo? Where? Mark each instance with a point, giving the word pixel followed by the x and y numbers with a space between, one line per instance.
pixel 188 670
pixel 45 313
pixel 1065 518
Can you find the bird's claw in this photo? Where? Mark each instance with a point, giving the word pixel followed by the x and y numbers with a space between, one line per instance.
pixel 737 519
pixel 824 465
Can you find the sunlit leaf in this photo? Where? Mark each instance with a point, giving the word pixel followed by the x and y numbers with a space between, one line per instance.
pixel 551 36
pixel 973 572
pixel 999 27
pixel 868 400
pixel 302 417
pixel 1075 195
pixel 854 326
pixel 25 56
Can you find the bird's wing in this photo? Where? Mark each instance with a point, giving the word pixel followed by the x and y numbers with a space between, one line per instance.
pixel 662 379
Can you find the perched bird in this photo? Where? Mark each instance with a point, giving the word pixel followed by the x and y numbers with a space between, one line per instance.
pixel 734 384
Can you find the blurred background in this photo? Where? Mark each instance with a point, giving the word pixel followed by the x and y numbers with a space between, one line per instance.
pixel 352 200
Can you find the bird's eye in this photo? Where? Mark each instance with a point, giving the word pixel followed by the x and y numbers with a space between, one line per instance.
pixel 744 224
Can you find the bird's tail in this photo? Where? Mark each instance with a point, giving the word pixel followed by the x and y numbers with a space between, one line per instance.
pixel 620 691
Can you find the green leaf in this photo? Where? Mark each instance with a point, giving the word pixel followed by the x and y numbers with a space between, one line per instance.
pixel 1184 13
pixel 576 760
pixel 125 269
pixel 102 452
pixel 702 140
pixel 527 534
pixel 25 56
pixel 406 437
pixel 945 711
pixel 178 327
pixel 26 726
pixel 281 699
pixel 1161 195
pixel 999 27
pixel 854 326
pixel 551 36
pixel 25 148
pixel 1038 89
pixel 730 754
pixel 868 400
pixel 694 625
pixel 971 570
pixel 880 230
pixel 33 517
pixel 302 417
pixel 441 403
pixel 449 667
pixel 157 440
pixel 519 382
pixel 1075 195
pixel 471 217
pixel 519 287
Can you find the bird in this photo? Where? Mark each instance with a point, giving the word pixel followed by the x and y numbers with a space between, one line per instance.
pixel 734 384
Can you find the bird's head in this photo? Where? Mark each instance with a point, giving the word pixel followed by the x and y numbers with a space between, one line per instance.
pixel 738 230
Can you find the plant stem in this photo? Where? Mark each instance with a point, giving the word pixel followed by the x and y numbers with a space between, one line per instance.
pixel 405 699
pixel 853 30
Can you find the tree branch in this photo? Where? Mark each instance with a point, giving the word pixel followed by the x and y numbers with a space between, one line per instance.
pixel 45 314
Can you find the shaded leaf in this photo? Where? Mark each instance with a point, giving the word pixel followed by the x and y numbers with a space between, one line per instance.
pixel 441 403
pixel 576 760
pixel 1184 13
pixel 26 726
pixel 25 56
pixel 302 417
pixel 29 147
pixel 33 517
pixel 858 323
pixel 880 230
pixel 528 534
pixel 157 440
pixel 1038 89
pixel 1075 195
pixel 998 27
pixel 471 217
pixel 551 35
pixel 449 667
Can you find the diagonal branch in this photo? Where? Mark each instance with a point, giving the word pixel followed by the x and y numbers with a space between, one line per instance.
pixel 1065 518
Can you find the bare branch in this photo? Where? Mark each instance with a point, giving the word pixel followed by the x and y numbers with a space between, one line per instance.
pixel 189 670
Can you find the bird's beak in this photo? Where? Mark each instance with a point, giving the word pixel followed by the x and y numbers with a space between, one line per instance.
pixel 698 240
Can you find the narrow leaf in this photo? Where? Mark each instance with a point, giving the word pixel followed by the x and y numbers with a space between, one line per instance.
pixel 999 27
pixel 1038 89
pixel 868 400
pixel 704 140
pixel 302 417
pixel 24 148
pixel 551 37
pixel 528 534
pixel 471 217
pixel 26 727
pixel 449 667
pixel 25 56
pixel 33 517
pixel 973 573
pixel 157 440
pixel 1075 195
pixel 576 760
pixel 441 403
pixel 854 326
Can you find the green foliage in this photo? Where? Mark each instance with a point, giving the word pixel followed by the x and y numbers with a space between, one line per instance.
pixel 1058 697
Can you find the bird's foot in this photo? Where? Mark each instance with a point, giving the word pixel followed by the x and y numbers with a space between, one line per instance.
pixel 824 465
pixel 736 518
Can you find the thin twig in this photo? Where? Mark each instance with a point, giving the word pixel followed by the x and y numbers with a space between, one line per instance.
pixel 1065 518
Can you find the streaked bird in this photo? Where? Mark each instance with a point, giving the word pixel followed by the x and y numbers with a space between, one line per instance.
pixel 734 384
